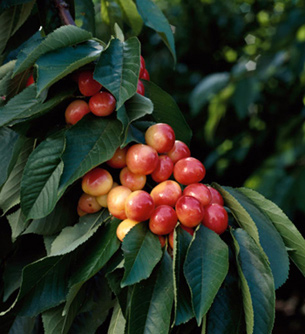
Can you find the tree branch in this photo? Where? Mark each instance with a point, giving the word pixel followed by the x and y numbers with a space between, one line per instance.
pixel 64 12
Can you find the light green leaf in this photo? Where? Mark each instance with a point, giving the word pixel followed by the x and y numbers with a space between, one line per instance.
pixel 132 16
pixel 17 223
pixel 117 322
pixel 205 268
pixel 118 69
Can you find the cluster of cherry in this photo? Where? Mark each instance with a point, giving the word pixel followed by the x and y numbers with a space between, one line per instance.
pixel 178 194
pixel 101 102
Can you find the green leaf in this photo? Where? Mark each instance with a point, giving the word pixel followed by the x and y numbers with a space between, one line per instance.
pixel 20 106
pixel 293 239
pixel 17 223
pixel 72 237
pixel 167 111
pixel 53 320
pixel 151 301
pixel 95 140
pixel 135 108
pixel 205 268
pixel 85 15
pixel 10 192
pixel 62 37
pixel 155 19
pixel 142 251
pixel 206 89
pixel 23 325
pixel 133 18
pixel 118 69
pixel 183 300
pixel 55 65
pixel 269 238
pixel 41 178
pixel 117 322
pixel 258 276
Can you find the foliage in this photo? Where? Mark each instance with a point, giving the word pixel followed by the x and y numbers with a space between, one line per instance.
pixel 67 274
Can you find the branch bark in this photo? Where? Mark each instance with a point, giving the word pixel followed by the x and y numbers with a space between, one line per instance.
pixel 64 12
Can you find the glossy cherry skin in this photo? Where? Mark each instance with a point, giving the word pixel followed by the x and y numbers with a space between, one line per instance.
pixel 30 80
pixel 163 220
pixel 216 196
pixel 142 66
pixel 145 75
pixel 88 203
pixel 102 104
pixel 215 218
pixel 124 227
pixel 189 170
pixel 116 201
pixel 102 199
pixel 131 180
pixel 141 159
pixel 166 192
pixel 161 137
pixel 140 88
pixel 163 170
pixel 87 85
pixel 97 182
pixel 189 211
pixel 179 151
pixel 139 205
pixel 199 191
pixel 75 111
pixel 118 160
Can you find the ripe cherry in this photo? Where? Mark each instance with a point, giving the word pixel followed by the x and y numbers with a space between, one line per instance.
pixel 141 159
pixel 102 199
pixel 189 211
pixel 88 203
pixel 199 191
pixel 118 160
pixel 116 201
pixel 166 192
pixel 140 88
pixel 189 170
pixel 102 104
pixel 97 182
pixel 87 85
pixel 75 111
pixel 142 66
pixel 30 80
pixel 216 196
pixel 163 170
pixel 179 151
pixel 161 137
pixel 145 75
pixel 124 227
pixel 139 205
pixel 131 180
pixel 163 220
pixel 215 218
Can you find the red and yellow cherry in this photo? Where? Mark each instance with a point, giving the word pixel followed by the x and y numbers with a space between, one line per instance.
pixel 179 151
pixel 140 88
pixel 166 192
pixel 142 66
pixel 161 137
pixel 88 203
pixel 131 180
pixel 141 159
pixel 145 75
pixel 124 227
pixel 189 170
pixel 102 104
pixel 75 111
pixel 119 158
pixel 80 212
pixel 116 201
pixel 215 218
pixel 30 80
pixel 189 211
pixel 163 220
pixel 97 182
pixel 87 85
pixel 216 196
pixel 102 199
pixel 139 205
pixel 199 191
pixel 163 170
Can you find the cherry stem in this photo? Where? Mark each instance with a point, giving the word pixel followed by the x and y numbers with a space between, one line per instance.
pixel 64 12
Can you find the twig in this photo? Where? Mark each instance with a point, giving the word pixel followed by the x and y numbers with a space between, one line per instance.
pixel 64 12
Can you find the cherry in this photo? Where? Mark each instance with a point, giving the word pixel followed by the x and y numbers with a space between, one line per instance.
pixel 141 159
pixel 199 191
pixel 116 201
pixel 75 111
pixel 139 205
pixel 215 218
pixel 124 227
pixel 97 182
pixel 140 88
pixel 80 212
pixel 189 170
pixel 163 220
pixel 102 104
pixel 161 137
pixel 102 199
pixel 216 196
pixel 30 80
pixel 189 211
pixel 145 75
pixel 142 66
pixel 131 180
pixel 163 170
pixel 87 85
pixel 166 192
pixel 179 151
pixel 118 160
pixel 88 203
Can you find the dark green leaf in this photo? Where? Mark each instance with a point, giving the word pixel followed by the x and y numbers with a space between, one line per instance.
pixel 151 301
pixel 53 320
pixel 269 238
pixel 41 177
pixel 142 251
pixel 205 268
pixel 183 300
pixel 55 65
pixel 133 18
pixel 256 271
pixel 95 140
pixel 118 322
pixel 167 111
pixel 23 325
pixel 85 14
pixel 118 69
pixel 155 19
